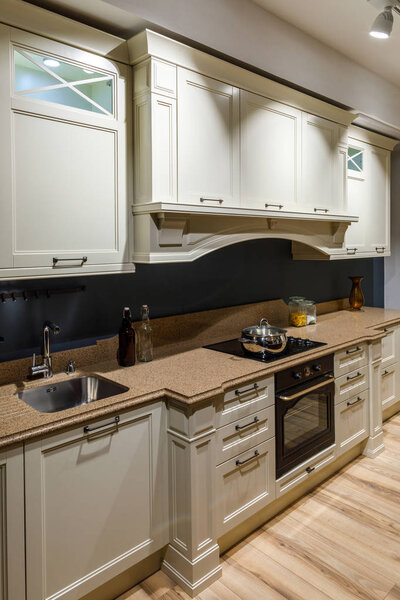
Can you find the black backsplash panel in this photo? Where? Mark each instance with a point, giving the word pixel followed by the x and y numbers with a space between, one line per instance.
pixel 249 272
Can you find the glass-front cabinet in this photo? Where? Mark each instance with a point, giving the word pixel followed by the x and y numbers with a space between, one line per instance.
pixel 66 144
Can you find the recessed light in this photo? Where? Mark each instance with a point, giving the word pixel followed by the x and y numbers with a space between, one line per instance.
pixel 51 62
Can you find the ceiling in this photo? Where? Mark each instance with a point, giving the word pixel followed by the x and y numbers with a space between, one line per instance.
pixel 344 25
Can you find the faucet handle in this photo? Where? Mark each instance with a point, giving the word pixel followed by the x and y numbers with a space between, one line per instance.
pixel 70 367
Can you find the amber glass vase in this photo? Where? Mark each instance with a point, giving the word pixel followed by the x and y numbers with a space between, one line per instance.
pixel 356 297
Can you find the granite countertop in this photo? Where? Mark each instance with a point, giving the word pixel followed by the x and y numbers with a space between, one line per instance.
pixel 189 377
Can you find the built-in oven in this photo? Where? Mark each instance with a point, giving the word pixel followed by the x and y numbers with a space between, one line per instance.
pixel 304 412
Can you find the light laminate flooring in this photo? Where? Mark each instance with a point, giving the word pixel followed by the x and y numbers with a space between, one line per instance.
pixel 339 542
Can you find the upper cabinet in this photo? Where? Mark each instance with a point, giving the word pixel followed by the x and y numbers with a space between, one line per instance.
pixel 66 183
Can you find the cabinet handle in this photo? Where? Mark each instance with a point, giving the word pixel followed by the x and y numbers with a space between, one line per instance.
pixel 219 200
pixel 250 389
pixel 358 374
pixel 310 469
pixel 277 205
pixel 355 401
pixel 351 250
pixel 352 351
pixel 81 260
pixel 88 429
pixel 324 210
pixel 380 249
pixel 246 460
pixel 385 372
pixel 253 422
pixel 385 330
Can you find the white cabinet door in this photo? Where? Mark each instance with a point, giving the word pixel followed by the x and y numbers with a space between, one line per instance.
pixel 369 198
pixel 352 421
pixel 12 540
pixel 208 141
pixel 270 147
pixel 70 145
pixel 96 502
pixel 390 386
pixel 324 156
pixel 391 345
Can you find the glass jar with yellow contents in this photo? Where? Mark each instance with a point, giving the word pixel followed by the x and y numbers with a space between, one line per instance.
pixel 297 312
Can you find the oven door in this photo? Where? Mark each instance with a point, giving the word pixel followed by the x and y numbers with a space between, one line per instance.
pixel 305 422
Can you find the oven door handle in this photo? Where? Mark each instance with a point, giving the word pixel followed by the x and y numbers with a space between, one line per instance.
pixel 329 379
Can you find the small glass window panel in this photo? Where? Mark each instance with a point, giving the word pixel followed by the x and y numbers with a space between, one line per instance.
pixel 355 160
pixel 67 84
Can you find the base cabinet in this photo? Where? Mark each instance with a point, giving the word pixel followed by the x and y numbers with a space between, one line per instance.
pixel 352 421
pixel 93 504
pixel 390 386
pixel 12 542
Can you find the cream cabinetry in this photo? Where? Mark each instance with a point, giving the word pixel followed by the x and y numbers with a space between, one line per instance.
pixel 390 370
pixel 96 502
pixel 65 201
pixel 12 542
pixel 302 472
pixel 324 155
pixel 352 421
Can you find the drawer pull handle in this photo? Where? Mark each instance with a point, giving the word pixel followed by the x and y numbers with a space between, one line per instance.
pixel 349 378
pixel 380 249
pixel 352 351
pixel 88 429
pixel 355 401
pixel 310 469
pixel 219 200
pixel 81 260
pixel 324 210
pixel 385 330
pixel 251 389
pixel 385 372
pixel 277 205
pixel 246 460
pixel 253 422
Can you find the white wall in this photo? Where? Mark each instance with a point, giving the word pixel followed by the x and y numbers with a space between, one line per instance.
pixel 245 31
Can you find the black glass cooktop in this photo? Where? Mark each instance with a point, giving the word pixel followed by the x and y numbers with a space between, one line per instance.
pixel 294 346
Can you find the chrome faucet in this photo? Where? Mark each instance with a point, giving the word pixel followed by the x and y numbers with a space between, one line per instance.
pixel 46 367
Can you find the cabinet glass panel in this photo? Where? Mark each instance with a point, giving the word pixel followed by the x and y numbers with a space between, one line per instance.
pixel 52 80
pixel 355 160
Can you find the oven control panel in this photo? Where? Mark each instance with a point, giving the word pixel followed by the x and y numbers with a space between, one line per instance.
pixel 303 372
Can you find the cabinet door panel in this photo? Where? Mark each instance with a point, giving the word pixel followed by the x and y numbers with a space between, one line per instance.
pixel 390 386
pixel 352 421
pixel 208 134
pixel 5 152
pixel 93 504
pixel 378 207
pixel 270 153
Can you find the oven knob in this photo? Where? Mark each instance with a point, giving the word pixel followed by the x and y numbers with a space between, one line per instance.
pixel 297 375
pixel 316 368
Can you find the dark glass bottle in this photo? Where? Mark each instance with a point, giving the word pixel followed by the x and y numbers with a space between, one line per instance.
pixel 126 349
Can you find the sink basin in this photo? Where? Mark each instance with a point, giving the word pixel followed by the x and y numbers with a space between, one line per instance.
pixel 72 392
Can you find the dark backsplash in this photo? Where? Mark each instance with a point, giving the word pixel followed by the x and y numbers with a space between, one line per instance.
pixel 249 272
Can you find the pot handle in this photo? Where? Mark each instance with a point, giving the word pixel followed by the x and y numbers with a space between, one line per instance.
pixel 264 321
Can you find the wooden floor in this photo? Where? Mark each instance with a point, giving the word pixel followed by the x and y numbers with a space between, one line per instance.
pixel 340 542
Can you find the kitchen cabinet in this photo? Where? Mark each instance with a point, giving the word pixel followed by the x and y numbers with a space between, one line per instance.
pixel 65 204
pixel 352 421
pixel 390 386
pixel 270 141
pixel 323 170
pixel 96 502
pixel 350 359
pixel 208 141
pixel 390 345
pixel 12 542
pixel 368 174
pixel 305 471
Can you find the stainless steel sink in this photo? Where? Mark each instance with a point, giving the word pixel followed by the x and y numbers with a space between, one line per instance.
pixel 53 397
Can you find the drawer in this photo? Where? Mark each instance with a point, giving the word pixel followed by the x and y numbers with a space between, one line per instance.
pixel 304 471
pixel 245 400
pixel 352 421
pixel 351 384
pixel 390 385
pixel 244 485
pixel 237 437
pixel 390 345
pixel 350 358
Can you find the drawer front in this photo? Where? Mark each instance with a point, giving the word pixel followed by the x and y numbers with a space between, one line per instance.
pixel 234 438
pixel 304 471
pixel 390 385
pixel 245 400
pixel 390 345
pixel 350 358
pixel 243 489
pixel 351 384
pixel 352 421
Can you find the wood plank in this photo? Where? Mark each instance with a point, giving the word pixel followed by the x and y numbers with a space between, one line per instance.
pixel 394 593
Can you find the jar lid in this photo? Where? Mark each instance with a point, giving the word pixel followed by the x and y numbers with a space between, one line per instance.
pixel 309 302
pixel 296 298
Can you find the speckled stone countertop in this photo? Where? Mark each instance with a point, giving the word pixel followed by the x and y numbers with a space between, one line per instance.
pixel 189 377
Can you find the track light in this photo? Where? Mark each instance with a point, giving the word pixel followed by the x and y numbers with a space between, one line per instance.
pixel 383 24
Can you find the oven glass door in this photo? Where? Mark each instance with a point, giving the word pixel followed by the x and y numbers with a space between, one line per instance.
pixel 305 426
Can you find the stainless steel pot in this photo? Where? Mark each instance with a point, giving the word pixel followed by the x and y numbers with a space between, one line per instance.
pixel 263 339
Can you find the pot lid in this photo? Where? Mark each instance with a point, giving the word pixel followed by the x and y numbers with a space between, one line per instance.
pixel 264 329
